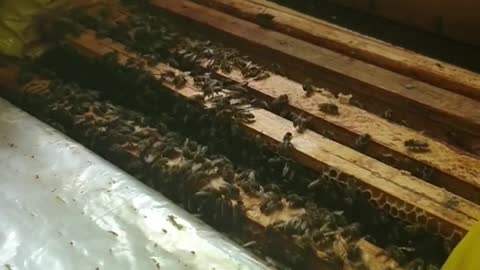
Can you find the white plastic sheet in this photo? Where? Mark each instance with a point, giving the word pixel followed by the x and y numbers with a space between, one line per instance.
pixel 63 207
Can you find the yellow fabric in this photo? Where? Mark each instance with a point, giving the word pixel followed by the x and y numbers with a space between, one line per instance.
pixel 466 255
pixel 20 24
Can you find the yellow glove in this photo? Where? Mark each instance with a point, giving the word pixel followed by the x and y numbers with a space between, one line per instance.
pixel 19 25
pixel 466 255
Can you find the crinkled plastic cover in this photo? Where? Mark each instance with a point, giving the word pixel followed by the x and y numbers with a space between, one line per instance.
pixel 63 207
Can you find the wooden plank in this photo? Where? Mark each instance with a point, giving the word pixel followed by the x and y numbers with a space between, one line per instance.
pixel 355 45
pixel 455 19
pixel 442 166
pixel 404 196
pixel 452 169
pixel 256 221
pixel 424 106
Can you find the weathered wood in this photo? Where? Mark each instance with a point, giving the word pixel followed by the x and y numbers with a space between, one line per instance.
pixel 374 257
pixel 404 196
pixel 451 168
pixel 355 45
pixel 424 106
pixel 442 166
pixel 313 150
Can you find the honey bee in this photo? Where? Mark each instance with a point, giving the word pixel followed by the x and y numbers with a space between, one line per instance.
pixel 280 102
pixel 295 201
pixel 262 76
pixel 264 19
pixel 362 141
pixel 399 254
pixel 424 173
pixel 308 87
pixel 270 203
pixel 388 114
pixel 417 146
pixel 451 202
pixel 301 123
pixel 286 146
pixel 180 81
pixel 329 108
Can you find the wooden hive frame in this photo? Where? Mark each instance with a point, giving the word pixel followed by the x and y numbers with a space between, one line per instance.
pixel 401 194
pixel 424 107
pixel 355 45
pixel 388 187
pixel 444 166
pixel 262 88
pixel 199 14
pixel 256 223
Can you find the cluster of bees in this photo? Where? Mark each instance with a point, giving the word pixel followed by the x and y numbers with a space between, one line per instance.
pixel 191 168
pixel 207 184
pixel 203 125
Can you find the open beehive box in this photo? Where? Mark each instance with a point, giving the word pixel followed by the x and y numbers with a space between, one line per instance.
pixel 311 145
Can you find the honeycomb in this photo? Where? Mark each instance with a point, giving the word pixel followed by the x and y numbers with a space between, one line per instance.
pixel 395 207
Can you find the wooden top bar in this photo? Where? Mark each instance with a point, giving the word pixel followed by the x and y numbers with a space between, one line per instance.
pixel 431 104
pixel 450 168
pixel 374 257
pixel 255 220
pixel 355 45
pixel 453 169
pixel 387 186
